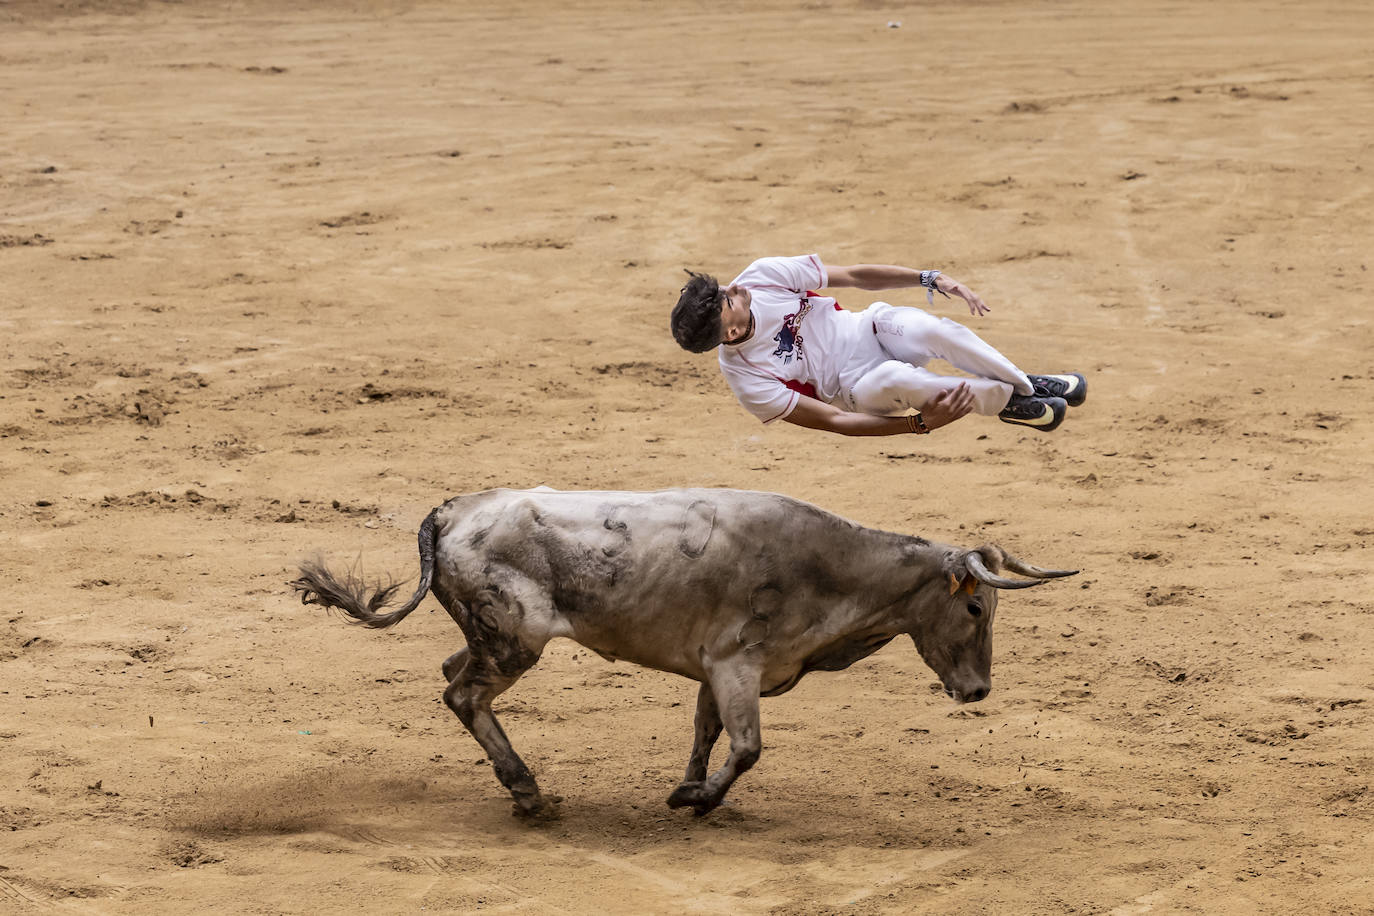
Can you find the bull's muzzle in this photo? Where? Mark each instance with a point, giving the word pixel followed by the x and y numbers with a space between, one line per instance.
pixel 971 695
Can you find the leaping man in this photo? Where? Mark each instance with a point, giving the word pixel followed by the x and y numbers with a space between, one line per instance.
pixel 789 353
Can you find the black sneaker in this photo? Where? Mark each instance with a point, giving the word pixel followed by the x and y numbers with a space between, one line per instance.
pixel 1036 412
pixel 1070 386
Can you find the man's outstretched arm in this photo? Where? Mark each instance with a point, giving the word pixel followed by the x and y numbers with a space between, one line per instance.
pixel 946 407
pixel 889 276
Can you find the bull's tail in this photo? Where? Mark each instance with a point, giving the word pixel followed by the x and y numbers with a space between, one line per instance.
pixel 317 585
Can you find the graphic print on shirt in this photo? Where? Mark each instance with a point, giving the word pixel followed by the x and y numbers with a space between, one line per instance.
pixel 789 336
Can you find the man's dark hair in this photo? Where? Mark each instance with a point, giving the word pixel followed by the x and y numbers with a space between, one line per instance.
pixel 696 317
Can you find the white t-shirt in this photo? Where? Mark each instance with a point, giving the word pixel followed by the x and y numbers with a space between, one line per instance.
pixel 801 341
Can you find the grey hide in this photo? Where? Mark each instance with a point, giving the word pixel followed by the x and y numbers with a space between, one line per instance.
pixel 744 592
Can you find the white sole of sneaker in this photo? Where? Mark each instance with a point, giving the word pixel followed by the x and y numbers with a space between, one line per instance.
pixel 1049 418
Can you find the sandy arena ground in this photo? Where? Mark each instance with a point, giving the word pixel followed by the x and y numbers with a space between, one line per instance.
pixel 278 278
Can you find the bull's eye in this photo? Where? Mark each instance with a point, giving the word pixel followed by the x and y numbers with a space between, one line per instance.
pixel 974 609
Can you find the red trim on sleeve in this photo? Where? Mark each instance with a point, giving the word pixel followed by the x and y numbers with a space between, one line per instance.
pixel 820 273
pixel 791 405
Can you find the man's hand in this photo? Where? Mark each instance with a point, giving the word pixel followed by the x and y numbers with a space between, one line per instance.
pixel 948 406
pixel 953 287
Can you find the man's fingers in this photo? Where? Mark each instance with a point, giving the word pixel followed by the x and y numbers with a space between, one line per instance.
pixel 964 399
pixel 949 405
pixel 951 395
pixel 976 306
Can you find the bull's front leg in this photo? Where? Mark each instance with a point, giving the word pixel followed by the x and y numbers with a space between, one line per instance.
pixel 708 726
pixel 733 686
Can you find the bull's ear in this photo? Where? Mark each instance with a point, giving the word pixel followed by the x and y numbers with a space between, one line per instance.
pixel 954 565
pixel 956 572
pixel 967 583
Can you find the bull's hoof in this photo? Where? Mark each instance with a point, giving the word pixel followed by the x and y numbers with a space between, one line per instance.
pixel 537 809
pixel 531 804
pixel 693 795
pixel 689 793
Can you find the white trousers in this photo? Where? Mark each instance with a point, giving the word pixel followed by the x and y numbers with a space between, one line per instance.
pixel 888 375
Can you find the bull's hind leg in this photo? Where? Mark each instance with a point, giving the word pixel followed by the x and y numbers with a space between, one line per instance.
pixel 454 664
pixel 735 687
pixel 469 695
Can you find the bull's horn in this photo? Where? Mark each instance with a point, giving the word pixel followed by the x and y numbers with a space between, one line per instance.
pixel 973 561
pixel 1035 572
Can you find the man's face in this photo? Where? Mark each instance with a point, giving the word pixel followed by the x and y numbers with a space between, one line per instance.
pixel 736 321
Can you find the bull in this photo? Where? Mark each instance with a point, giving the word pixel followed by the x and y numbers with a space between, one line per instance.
pixel 744 592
